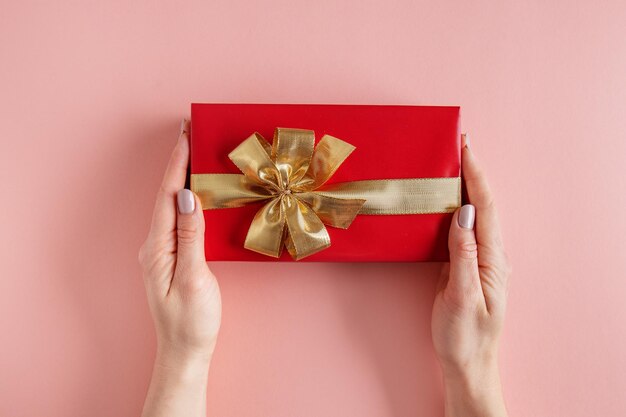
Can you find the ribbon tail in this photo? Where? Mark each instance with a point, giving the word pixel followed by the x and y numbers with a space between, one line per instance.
pixel 266 231
pixel 400 196
pixel 333 211
pixel 307 233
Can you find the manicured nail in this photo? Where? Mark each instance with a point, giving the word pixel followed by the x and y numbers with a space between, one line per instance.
pixel 183 126
pixel 467 216
pixel 186 201
pixel 466 139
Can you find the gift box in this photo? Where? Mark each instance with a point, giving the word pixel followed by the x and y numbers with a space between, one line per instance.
pixel 380 185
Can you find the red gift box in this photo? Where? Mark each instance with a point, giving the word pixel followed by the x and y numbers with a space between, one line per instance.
pixel 391 142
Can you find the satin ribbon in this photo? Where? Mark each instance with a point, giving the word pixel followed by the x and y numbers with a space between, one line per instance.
pixel 290 175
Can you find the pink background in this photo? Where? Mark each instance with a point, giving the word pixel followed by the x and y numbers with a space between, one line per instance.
pixel 92 96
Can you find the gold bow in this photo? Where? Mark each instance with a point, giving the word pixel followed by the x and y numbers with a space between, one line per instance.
pixel 290 174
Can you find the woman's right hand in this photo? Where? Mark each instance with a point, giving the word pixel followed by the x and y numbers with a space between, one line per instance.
pixel 469 307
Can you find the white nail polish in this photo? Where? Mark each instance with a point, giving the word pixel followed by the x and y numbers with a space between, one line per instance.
pixel 467 215
pixel 186 201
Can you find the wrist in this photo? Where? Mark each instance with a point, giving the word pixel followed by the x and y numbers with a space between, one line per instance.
pixel 181 363
pixel 472 376
pixel 179 383
pixel 480 362
pixel 474 389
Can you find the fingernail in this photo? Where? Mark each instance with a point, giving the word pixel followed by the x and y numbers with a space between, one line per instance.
pixel 467 216
pixel 183 126
pixel 186 201
pixel 466 139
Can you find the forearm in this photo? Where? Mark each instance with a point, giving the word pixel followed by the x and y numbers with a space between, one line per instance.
pixel 178 386
pixel 474 392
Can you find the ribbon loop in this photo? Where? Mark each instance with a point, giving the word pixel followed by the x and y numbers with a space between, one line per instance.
pixel 228 190
pixel 252 159
pixel 329 154
pixel 291 152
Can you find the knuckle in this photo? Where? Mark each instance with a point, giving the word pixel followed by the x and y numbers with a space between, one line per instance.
pixel 193 285
pixel 481 195
pixel 508 269
pixel 490 202
pixel 498 243
pixel 187 232
pixel 147 258
pixel 163 193
pixel 467 250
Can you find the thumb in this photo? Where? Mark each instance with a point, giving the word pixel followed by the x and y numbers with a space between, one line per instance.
pixel 190 231
pixel 464 277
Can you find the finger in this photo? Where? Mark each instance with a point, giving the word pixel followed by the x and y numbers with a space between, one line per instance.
pixel 464 279
pixel 164 215
pixel 190 236
pixel 488 233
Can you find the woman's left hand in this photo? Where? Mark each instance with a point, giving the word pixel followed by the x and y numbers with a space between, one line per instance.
pixel 183 294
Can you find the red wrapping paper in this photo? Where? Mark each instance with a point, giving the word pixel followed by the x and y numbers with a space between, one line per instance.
pixel 391 142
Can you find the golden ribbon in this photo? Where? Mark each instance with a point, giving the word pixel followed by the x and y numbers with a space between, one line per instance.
pixel 290 174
